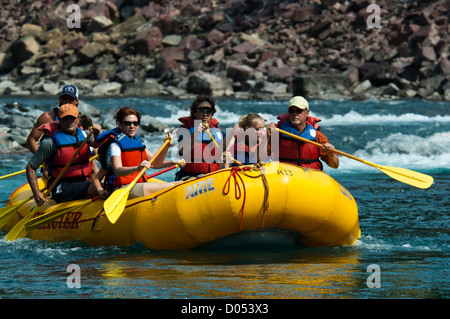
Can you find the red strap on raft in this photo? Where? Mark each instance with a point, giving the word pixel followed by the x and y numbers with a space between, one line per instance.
pixel 237 189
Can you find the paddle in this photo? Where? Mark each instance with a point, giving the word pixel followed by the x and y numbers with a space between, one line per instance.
pixel 16 173
pixel 217 145
pixel 51 216
pixel 401 174
pixel 19 231
pixel 115 204
pixel 42 220
pixel 6 212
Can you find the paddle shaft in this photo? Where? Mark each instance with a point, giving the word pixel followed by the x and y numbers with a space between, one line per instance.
pixel 151 161
pixel 16 173
pixel 382 168
pixel 24 170
pixel 218 147
pixel 163 171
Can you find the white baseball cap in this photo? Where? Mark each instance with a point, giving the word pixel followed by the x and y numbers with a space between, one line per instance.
pixel 299 102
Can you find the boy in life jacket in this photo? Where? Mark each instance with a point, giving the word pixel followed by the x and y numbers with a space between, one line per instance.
pixel 299 123
pixel 56 150
pixel 195 144
pixel 249 143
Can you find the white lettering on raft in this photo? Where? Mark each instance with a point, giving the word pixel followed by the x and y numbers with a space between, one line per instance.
pixel 200 188
pixel 346 193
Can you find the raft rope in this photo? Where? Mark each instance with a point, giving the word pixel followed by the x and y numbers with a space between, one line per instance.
pixel 237 188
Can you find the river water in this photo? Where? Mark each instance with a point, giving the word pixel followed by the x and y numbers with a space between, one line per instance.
pixel 402 253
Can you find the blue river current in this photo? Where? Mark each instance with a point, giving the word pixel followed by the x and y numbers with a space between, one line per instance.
pixel 405 230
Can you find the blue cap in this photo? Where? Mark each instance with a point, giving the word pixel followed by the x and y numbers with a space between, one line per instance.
pixel 70 90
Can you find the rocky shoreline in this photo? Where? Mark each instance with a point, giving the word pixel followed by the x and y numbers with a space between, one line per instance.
pixel 322 49
pixel 16 122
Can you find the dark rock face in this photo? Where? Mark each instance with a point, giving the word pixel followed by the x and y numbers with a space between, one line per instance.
pixel 321 49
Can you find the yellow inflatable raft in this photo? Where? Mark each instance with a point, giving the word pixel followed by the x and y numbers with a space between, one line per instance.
pixel 276 196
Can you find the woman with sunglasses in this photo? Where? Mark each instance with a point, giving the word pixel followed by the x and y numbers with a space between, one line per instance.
pixel 299 123
pixel 203 157
pixel 123 155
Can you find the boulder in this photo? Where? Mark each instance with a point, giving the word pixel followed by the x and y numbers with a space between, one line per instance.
pixel 148 40
pixel 362 87
pixel 244 47
pixel 390 90
pixel 239 72
pixel 201 82
pixel 7 62
pixel 173 53
pixel 92 50
pixel 147 88
pixel 24 48
pixel 316 84
pixel 192 43
pixel 172 40
pixel 282 73
pixel 30 29
pixel 150 124
pixel 110 88
pixel 7 86
pixel 99 24
pixel 303 14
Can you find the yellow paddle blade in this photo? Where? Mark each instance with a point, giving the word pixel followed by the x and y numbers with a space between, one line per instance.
pixel 6 212
pixel 407 176
pixel 115 204
pixel 19 231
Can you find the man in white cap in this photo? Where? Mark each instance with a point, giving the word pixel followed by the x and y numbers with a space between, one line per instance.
pixel 69 95
pixel 300 153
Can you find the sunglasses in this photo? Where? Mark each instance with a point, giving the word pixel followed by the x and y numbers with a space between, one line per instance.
pixel 128 123
pixel 295 111
pixel 205 110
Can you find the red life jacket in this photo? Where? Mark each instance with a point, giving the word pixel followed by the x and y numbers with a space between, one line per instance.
pixel 67 145
pixel 296 152
pixel 133 153
pixel 204 146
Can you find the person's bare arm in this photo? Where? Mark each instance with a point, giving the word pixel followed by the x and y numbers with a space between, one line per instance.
pixel 39 197
pixel 326 151
pixel 35 134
